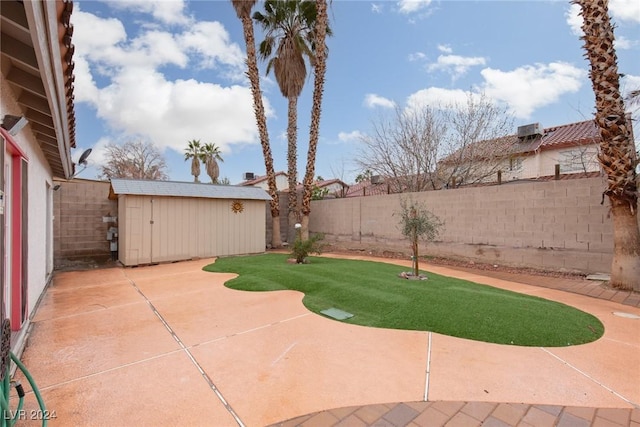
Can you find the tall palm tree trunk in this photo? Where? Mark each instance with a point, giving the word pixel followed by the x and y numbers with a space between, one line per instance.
pixel 617 152
pixel 243 9
pixel 292 162
pixel 213 170
pixel 316 109
pixel 195 169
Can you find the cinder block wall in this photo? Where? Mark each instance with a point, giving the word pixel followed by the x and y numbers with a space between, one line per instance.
pixel 79 231
pixel 549 225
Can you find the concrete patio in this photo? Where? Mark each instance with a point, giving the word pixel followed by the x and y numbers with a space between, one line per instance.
pixel 170 345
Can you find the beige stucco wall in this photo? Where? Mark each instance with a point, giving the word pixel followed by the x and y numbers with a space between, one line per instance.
pixel 554 225
pixel 185 228
pixel 39 209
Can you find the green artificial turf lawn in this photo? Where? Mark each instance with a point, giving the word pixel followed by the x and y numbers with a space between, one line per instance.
pixel 376 296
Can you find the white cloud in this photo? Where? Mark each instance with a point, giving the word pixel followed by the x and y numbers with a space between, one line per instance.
pixel 456 65
pixel 352 136
pixel 168 12
pixel 530 87
pixel 156 48
pixel 411 6
pixel 522 90
pixel 574 19
pixel 435 97
pixel 212 42
pixel 624 43
pixel 629 83
pixel 417 56
pixel 622 10
pixel 85 86
pixel 445 48
pixel 625 10
pixel 99 38
pixel 130 93
pixel 371 100
pixel 376 8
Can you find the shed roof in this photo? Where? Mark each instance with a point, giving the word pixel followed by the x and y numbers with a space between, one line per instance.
pixel 142 187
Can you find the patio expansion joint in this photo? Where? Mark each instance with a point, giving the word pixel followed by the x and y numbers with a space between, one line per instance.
pixel 184 348
pixel 248 331
pixel 105 371
pixel 586 375
pixel 428 369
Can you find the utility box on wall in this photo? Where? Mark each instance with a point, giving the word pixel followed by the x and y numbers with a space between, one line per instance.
pixel 162 221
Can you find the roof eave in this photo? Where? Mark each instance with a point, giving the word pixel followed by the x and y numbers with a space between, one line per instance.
pixel 44 22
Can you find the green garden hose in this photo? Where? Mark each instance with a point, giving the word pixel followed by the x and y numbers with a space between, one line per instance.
pixel 9 416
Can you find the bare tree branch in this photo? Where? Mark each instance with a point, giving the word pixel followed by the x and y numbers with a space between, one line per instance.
pixel 134 159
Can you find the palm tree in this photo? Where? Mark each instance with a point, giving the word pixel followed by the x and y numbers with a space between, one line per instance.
pixel 210 157
pixel 243 10
pixel 320 66
pixel 194 152
pixel 617 152
pixel 288 26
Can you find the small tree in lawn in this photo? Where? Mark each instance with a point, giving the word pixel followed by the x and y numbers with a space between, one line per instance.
pixel 416 222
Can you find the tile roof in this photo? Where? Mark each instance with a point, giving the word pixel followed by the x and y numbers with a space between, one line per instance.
pixel 581 133
pixel 572 134
pixel 258 179
pixel 37 63
pixel 141 187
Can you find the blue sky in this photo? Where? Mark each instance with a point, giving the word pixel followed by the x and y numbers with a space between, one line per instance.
pixel 172 71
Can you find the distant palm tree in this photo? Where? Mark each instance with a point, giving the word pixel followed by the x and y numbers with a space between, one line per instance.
pixel 320 66
pixel 617 151
pixel 210 156
pixel 289 31
pixel 243 10
pixel 194 152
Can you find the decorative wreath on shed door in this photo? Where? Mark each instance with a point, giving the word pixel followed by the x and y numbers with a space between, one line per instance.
pixel 237 206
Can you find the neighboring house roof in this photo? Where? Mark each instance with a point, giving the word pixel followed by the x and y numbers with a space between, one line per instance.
pixel 321 184
pixel 569 135
pixel 581 133
pixel 366 188
pixel 259 179
pixel 141 187
pixel 39 70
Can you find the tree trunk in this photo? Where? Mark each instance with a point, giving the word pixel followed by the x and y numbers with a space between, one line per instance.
pixel 275 227
pixel 292 162
pixel 261 118
pixel 195 169
pixel 320 68
pixel 617 151
pixel 305 226
pixel 416 269
pixel 625 268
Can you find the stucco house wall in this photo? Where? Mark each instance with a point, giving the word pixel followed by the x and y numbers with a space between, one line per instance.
pixel 39 243
pixel 37 94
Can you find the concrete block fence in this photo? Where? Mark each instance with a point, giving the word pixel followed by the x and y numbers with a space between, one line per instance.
pixel 557 225
pixel 79 231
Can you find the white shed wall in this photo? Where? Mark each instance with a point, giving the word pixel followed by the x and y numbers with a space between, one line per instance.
pixel 185 228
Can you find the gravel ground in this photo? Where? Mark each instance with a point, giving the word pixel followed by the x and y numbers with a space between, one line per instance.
pixel 458 263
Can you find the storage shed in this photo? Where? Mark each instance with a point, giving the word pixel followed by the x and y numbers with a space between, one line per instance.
pixel 160 221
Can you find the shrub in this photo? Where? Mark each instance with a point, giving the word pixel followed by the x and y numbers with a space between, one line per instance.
pixel 416 222
pixel 302 248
